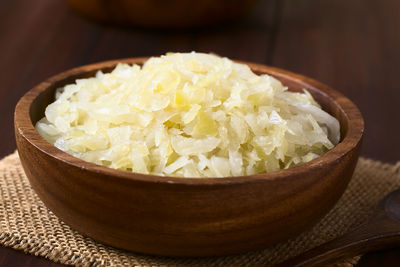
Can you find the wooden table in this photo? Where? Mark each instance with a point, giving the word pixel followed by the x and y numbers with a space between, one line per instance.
pixel 354 46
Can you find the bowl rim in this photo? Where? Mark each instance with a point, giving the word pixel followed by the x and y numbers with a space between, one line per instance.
pixel 353 117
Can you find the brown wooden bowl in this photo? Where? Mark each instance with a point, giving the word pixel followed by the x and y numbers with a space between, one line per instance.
pixel 161 13
pixel 186 216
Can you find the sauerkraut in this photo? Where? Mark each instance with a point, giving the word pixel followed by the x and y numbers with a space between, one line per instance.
pixel 188 115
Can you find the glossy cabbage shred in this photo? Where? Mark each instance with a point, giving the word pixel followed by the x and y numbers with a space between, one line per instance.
pixel 188 115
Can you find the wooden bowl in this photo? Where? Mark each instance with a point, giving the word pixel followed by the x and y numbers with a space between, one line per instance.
pixel 186 216
pixel 171 13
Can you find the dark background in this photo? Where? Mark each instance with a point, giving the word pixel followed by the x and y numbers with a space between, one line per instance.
pixel 351 45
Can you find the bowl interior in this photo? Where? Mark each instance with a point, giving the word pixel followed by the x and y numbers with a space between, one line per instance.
pixel 328 104
pixel 350 119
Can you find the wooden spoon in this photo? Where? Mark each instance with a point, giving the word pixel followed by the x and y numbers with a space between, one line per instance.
pixel 381 231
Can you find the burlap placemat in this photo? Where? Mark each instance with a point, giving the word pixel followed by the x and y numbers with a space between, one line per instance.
pixel 26 224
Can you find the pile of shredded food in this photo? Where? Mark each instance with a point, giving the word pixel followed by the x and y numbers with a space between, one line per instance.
pixel 188 115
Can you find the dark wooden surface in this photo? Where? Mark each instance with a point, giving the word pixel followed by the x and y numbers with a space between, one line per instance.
pixel 352 46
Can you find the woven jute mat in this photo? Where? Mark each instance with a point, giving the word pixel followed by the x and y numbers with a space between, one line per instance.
pixel 26 224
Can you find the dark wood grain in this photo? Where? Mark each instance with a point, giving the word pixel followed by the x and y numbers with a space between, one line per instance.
pixel 387 257
pixel 350 45
pixel 382 230
pixel 161 14
pixel 186 217
pixel 353 47
pixel 11 257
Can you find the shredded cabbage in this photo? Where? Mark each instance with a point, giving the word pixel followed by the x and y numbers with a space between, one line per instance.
pixel 188 115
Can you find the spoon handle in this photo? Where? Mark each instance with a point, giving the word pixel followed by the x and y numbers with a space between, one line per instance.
pixel 381 232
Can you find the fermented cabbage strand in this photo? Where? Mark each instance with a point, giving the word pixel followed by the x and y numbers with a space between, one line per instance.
pixel 188 115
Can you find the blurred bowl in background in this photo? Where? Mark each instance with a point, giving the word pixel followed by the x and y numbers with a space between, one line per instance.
pixel 163 13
